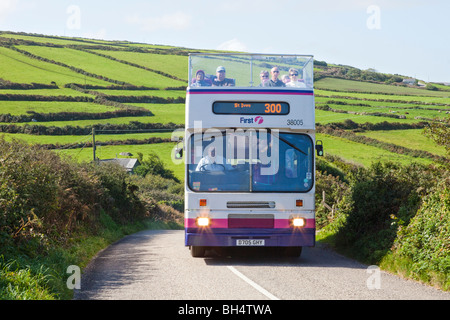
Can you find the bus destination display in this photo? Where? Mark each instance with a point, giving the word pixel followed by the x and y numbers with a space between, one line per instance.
pixel 254 108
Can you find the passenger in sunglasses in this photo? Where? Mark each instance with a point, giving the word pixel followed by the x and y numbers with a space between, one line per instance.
pixel 264 77
pixel 295 81
pixel 274 81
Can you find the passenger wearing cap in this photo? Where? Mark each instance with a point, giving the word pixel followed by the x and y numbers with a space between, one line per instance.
pixel 200 80
pixel 220 79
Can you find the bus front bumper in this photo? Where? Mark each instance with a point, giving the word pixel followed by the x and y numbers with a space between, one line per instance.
pixel 304 237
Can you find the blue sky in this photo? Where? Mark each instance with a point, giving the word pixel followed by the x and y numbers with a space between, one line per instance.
pixel 407 37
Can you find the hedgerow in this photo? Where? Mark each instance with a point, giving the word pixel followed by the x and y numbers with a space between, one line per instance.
pixel 44 199
pixel 49 207
pixel 390 212
pixel 426 240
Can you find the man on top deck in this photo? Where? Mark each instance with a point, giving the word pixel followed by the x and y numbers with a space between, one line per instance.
pixel 220 80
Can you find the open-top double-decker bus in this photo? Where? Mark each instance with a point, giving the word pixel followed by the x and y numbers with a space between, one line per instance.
pixel 249 152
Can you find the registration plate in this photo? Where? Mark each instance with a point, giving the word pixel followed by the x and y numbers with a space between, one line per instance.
pixel 250 242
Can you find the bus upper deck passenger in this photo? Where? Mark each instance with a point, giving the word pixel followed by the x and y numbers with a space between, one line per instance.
pixel 295 82
pixel 274 81
pixel 221 80
pixel 264 75
pixel 201 80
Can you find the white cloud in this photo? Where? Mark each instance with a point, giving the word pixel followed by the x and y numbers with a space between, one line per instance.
pixel 233 45
pixel 174 21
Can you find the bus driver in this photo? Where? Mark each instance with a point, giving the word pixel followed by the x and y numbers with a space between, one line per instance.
pixel 211 162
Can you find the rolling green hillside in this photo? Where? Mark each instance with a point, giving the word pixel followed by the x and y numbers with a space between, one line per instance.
pixel 43 77
pixel 55 90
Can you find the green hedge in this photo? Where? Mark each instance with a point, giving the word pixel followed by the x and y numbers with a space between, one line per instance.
pixel 391 214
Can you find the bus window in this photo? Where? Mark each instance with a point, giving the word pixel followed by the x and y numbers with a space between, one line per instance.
pixel 251 161
pixel 219 164
pixel 243 70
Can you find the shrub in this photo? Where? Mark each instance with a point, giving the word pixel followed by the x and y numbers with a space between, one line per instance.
pixel 429 86
pixel 44 199
pixel 426 240
pixel 155 166
pixel 383 198
pixel 161 191
pixel 335 190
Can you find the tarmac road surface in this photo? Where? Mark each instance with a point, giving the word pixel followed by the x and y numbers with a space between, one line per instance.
pixel 155 265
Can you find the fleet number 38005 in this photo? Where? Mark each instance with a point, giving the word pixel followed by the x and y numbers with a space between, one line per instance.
pixel 294 122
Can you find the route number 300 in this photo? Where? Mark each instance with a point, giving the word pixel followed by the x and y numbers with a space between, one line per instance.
pixel 272 108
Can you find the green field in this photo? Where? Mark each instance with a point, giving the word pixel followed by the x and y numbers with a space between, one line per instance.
pixel 23 107
pixel 173 65
pixel 15 67
pixel 152 93
pixel 361 154
pixel 46 92
pixel 413 139
pixel 163 113
pixel 163 150
pixel 162 67
pixel 103 66
pixel 68 140
pixel 443 100
pixel 359 86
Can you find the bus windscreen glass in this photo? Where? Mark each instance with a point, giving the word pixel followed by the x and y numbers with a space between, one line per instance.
pixel 250 161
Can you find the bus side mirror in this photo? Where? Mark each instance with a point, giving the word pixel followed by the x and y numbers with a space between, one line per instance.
pixel 178 151
pixel 319 148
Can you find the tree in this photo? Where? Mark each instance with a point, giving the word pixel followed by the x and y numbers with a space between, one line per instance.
pixel 153 165
pixel 429 86
pixel 439 131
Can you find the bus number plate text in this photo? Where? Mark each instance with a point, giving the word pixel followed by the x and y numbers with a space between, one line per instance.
pixel 250 242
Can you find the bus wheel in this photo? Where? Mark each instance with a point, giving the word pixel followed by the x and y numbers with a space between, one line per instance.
pixel 293 251
pixel 197 252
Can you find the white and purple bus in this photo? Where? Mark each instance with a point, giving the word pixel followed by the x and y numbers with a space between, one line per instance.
pixel 249 152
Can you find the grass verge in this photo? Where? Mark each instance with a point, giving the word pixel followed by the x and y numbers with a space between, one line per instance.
pixel 44 277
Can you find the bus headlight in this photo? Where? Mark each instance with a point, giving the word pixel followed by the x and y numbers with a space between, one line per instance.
pixel 298 222
pixel 203 221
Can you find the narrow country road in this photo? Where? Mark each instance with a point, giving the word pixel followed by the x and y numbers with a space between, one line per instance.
pixel 155 265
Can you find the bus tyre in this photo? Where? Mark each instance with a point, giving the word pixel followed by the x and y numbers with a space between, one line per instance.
pixel 293 251
pixel 197 252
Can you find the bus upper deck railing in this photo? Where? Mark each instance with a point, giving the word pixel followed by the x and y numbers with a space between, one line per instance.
pixel 250 71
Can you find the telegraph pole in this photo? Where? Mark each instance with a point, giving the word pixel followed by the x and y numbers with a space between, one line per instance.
pixel 93 142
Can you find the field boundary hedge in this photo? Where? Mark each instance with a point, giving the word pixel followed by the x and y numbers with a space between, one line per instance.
pixel 349 124
pixel 151 140
pixel 383 100
pixel 129 99
pixel 132 127
pixel 167 75
pixel 72 116
pixel 380 144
